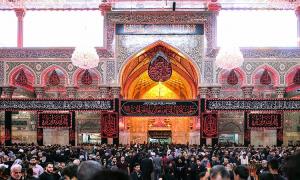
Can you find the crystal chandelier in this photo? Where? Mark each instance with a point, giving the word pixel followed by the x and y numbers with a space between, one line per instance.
pixel 85 57
pixel 229 58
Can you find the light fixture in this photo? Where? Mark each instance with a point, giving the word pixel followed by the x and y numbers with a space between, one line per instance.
pixel 85 57
pixel 229 57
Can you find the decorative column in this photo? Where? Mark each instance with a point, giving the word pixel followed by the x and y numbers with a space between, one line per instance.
pixel 203 92
pixel 247 91
pixel 71 91
pixel 8 93
pixel 280 91
pixel 104 91
pixel 297 11
pixel 215 91
pixel 115 91
pixel 20 13
pixel 40 92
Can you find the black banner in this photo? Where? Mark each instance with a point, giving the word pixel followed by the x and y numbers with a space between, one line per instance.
pixel 252 104
pixel 56 104
pixel 7 128
pixel 160 134
pixel 209 125
pixel 265 121
pixel 159 108
pixel 54 120
pixel 109 125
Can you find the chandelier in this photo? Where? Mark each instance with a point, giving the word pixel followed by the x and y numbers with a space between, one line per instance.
pixel 229 58
pixel 85 57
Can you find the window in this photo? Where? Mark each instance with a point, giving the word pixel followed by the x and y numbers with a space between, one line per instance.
pixel 8 30
pixel 63 28
pixel 258 28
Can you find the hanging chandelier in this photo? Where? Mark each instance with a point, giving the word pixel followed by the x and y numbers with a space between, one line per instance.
pixel 85 57
pixel 229 58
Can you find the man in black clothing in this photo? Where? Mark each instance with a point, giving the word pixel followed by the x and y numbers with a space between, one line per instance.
pixel 147 168
pixel 241 173
pixel 273 165
pixel 136 174
pixel 48 173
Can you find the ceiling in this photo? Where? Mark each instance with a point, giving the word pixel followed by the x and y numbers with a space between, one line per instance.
pixel 149 4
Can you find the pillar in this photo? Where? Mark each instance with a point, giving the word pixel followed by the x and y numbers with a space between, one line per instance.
pixel 71 91
pixel 203 94
pixel 280 91
pixel 247 93
pixel 20 13
pixel 104 91
pixel 8 93
pixel 297 12
pixel 39 92
pixel 215 91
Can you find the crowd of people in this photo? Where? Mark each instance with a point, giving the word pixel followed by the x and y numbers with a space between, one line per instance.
pixel 148 162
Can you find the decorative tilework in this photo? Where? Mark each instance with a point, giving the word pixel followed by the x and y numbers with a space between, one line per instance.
pixel 110 71
pixel 208 72
pixel 1 72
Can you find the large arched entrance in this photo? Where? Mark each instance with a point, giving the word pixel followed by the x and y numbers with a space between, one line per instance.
pixel 136 84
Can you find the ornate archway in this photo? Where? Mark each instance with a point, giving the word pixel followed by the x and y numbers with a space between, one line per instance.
pixel 137 84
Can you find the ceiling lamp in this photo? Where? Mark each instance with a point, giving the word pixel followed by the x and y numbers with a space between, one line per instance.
pixel 229 58
pixel 85 57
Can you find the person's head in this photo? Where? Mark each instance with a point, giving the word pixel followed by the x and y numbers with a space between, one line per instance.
pixel 226 161
pixel 219 172
pixel 204 175
pixel 291 167
pixel 114 160
pixel 137 167
pixel 33 161
pixel 122 159
pixel 70 172
pixel 111 175
pixel 273 165
pixel 241 173
pixel 16 171
pixel 29 172
pixel 264 163
pixel 88 169
pixel 76 162
pixel 49 167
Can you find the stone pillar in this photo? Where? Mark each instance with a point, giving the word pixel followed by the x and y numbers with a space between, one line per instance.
pixel 39 91
pixel 280 90
pixel 247 91
pixel 297 11
pixel 7 91
pixel 71 91
pixel 203 92
pixel 115 91
pixel 20 13
pixel 215 91
pixel 104 91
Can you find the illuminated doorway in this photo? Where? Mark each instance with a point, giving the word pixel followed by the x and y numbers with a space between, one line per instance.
pixel 181 85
